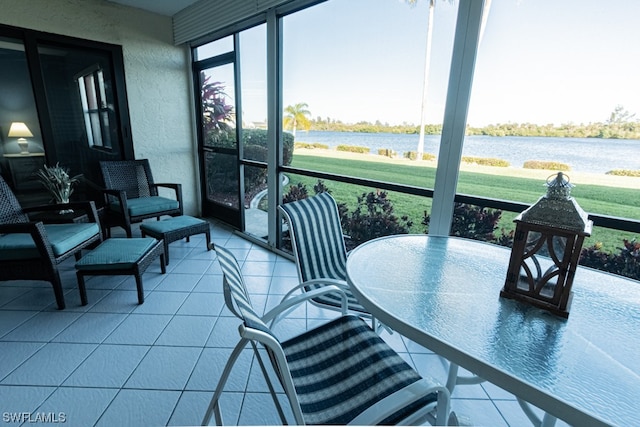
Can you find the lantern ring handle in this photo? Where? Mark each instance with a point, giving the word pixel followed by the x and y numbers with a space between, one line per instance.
pixel 559 177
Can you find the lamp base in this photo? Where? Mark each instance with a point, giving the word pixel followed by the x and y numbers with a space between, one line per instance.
pixel 24 146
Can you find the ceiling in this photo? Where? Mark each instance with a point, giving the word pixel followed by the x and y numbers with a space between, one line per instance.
pixel 163 7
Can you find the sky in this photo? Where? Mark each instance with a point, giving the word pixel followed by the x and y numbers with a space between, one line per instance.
pixel 540 61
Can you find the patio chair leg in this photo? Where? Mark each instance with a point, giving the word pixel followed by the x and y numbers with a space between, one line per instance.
pixel 214 405
pixel 57 290
pixel 82 288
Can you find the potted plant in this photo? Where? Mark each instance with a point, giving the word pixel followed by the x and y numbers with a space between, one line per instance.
pixel 58 183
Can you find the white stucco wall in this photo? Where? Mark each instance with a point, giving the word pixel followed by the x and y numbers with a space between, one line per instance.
pixel 157 77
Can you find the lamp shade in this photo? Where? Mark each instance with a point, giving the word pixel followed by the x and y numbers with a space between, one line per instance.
pixel 19 130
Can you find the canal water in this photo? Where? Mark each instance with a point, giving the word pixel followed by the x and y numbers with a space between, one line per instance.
pixel 593 155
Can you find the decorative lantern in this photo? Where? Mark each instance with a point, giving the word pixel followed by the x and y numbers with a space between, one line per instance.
pixel 546 249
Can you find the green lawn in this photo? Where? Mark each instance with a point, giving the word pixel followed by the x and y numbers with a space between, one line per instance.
pixel 619 202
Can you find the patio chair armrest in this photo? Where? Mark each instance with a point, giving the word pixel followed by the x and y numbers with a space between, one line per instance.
pixel 177 188
pixel 119 195
pixel 290 302
pixel 339 283
pixel 37 232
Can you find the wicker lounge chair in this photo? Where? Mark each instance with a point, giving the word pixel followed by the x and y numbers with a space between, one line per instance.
pixel 131 195
pixel 32 250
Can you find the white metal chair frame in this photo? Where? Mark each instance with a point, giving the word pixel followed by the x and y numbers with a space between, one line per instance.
pixel 254 331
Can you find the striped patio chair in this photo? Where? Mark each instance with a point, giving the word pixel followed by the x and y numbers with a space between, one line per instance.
pixel 319 249
pixel 341 372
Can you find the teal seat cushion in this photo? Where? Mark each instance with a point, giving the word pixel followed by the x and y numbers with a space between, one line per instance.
pixel 171 224
pixel 147 205
pixel 116 253
pixel 62 237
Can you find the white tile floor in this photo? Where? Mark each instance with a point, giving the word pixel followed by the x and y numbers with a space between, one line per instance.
pixel 117 363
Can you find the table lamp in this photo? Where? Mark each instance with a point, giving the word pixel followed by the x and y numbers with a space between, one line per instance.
pixel 21 131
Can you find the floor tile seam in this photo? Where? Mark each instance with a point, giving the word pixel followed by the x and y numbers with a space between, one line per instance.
pixel 155 388
pixel 24 360
pixel 173 411
pixel 504 418
pixel 165 326
pixel 41 348
pixel 96 346
pixel 113 399
pixel 80 317
pixel 45 399
pixel 14 298
pixel 35 313
pixel 193 370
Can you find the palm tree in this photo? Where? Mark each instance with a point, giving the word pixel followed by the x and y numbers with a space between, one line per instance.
pixel 427 63
pixel 427 66
pixel 297 115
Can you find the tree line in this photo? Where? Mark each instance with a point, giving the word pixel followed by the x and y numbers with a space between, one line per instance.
pixel 621 124
pixel 626 130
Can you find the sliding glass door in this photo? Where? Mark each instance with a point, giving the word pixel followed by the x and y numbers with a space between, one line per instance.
pixel 219 142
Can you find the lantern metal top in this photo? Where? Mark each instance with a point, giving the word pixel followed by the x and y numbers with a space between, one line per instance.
pixel 557 208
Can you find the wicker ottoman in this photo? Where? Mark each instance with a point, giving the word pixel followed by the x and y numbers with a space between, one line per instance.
pixel 175 228
pixel 119 256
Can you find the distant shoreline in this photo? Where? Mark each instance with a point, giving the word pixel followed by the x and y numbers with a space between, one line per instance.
pixel 538 174
pixel 579 154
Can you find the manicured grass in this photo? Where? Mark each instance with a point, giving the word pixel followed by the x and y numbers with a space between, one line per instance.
pixel 618 202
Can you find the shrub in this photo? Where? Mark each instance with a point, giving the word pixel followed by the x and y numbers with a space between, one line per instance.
pixel 539 164
pixel 353 149
pixel 475 222
pixel 259 137
pixel 412 155
pixel 486 161
pixel 373 217
pixel 253 176
pixel 624 172
pixel 311 145
pixel 388 152
pixel 625 263
pixel 296 192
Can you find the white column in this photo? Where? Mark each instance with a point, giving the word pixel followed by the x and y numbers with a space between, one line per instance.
pixel 465 47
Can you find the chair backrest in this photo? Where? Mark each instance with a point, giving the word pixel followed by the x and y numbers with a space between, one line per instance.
pixel 235 291
pixel 316 237
pixel 132 176
pixel 10 209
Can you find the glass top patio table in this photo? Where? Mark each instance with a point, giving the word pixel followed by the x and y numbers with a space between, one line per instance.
pixel 443 293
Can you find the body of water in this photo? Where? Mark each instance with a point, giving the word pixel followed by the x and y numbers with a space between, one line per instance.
pixel 591 155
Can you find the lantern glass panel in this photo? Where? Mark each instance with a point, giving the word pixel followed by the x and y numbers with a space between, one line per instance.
pixel 539 269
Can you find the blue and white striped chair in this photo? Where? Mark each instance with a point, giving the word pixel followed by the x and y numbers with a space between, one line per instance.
pixel 320 253
pixel 338 373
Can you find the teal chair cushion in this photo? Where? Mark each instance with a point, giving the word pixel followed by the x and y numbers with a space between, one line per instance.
pixel 147 205
pixel 116 253
pixel 62 238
